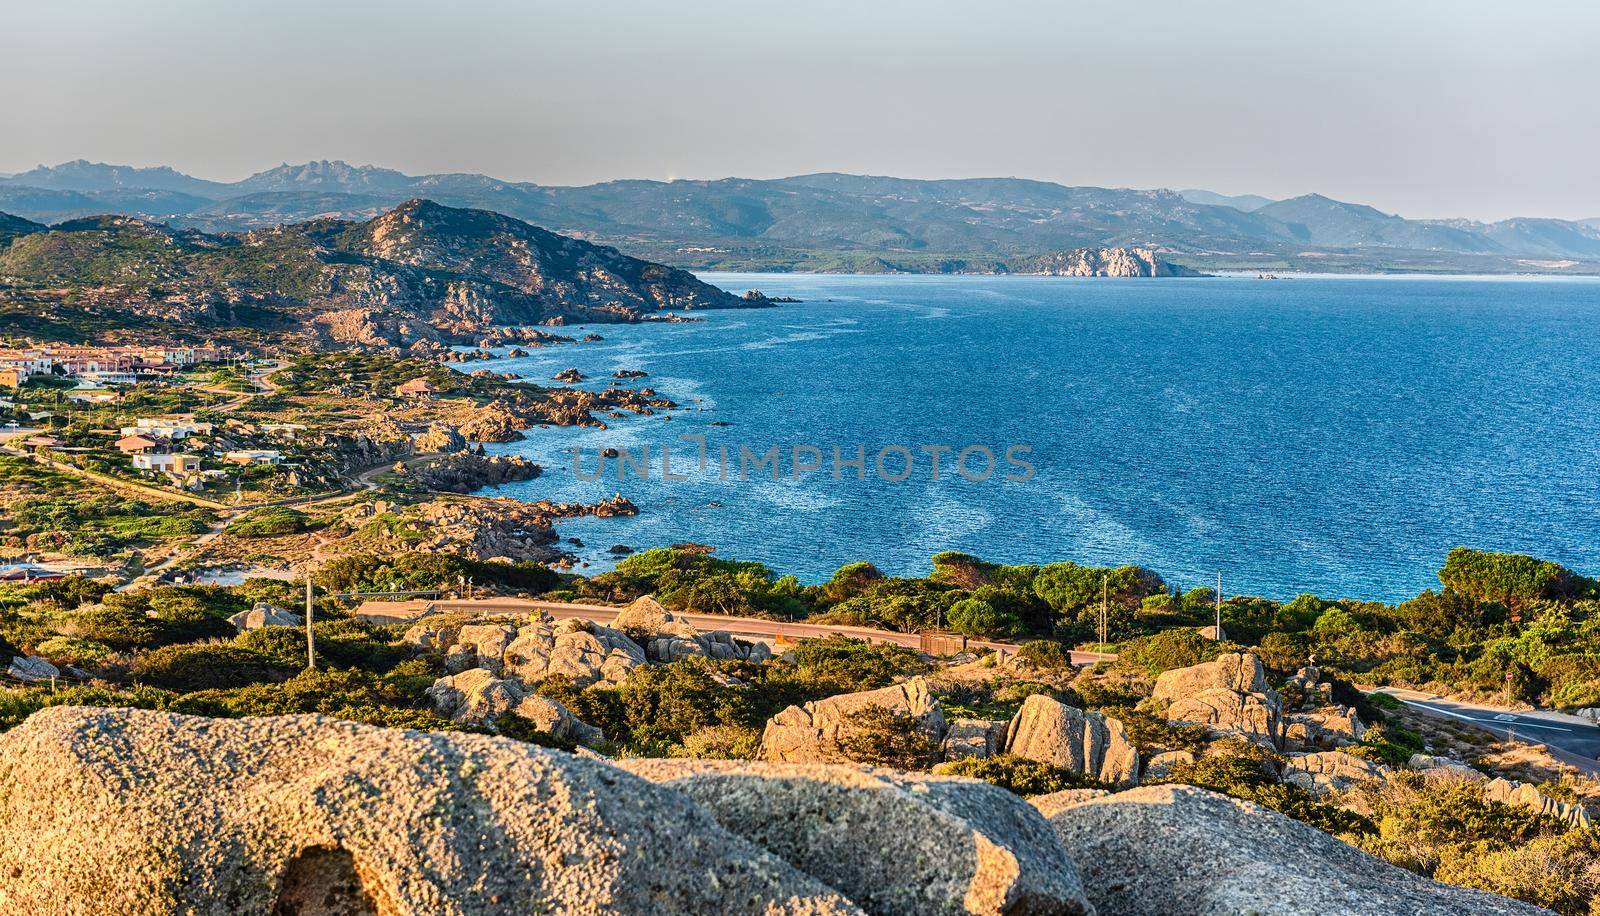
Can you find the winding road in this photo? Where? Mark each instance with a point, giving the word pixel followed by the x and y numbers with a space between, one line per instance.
pixel 756 628
pixel 1569 739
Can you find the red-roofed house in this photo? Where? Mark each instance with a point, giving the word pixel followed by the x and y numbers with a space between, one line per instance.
pixel 416 388
pixel 136 445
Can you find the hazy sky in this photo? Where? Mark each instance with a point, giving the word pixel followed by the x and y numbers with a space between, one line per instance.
pixel 1421 107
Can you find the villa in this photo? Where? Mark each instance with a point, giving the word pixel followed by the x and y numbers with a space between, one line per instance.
pixel 170 464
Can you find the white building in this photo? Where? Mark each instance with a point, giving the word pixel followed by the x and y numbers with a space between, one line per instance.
pixel 171 464
pixel 253 456
pixel 168 428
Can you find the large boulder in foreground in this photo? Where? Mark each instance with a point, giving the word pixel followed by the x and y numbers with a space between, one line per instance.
pixel 1230 695
pixel 894 843
pixel 819 731
pixel 1052 732
pixel 1179 849
pixel 139 812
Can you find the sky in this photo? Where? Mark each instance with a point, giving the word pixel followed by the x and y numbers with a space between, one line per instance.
pixel 1426 108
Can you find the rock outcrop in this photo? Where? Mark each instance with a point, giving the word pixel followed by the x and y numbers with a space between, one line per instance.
pixel 1052 732
pixel 1331 771
pixel 915 844
pixel 1230 695
pixel 1161 765
pixel 817 731
pixel 1523 795
pixel 667 638
pixel 531 649
pixel 441 439
pixel 1329 727
pixel 486 529
pixel 265 615
pixel 1444 768
pixel 463 472
pixel 141 812
pixel 975 738
pixel 477 697
pixel 31 669
pixel 1100 262
pixel 1179 849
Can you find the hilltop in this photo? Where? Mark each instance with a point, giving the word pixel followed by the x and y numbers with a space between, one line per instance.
pixel 839 222
pixel 419 275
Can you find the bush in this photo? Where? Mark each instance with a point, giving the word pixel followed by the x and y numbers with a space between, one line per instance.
pixel 353 695
pixel 430 571
pixel 345 643
pixel 1020 775
pixel 1511 579
pixel 839 664
pixel 1044 654
pixel 1170 649
pixel 1392 744
pixel 207 667
pixel 879 736
pixel 17 705
pixel 130 628
pixel 721 742
pixel 1282 651
pixel 269 521
pixel 1557 872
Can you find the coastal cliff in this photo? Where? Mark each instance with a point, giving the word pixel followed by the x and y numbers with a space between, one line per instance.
pixel 1100 262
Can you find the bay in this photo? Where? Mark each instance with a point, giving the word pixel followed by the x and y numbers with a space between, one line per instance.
pixel 1334 435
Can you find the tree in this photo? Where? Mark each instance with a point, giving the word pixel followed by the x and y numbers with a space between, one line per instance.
pixel 1511 579
pixel 977 617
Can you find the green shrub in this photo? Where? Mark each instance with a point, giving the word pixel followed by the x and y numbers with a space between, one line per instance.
pixel 131 628
pixel 354 695
pixel 17 705
pixel 1170 649
pixel 839 664
pixel 721 742
pixel 1511 579
pixel 1020 775
pixel 1044 654
pixel 1392 744
pixel 207 667
pixel 879 736
pixel 269 521
pixel 429 571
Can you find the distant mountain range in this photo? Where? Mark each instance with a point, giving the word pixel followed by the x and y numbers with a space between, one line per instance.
pixel 837 222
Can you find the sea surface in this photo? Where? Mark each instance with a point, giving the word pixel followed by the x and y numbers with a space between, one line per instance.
pixel 1331 435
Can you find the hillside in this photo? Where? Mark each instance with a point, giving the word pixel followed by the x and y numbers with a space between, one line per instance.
pixel 420 275
pixel 833 221
pixel 14 226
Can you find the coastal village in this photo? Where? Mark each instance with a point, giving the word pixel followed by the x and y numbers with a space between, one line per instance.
pixel 215 435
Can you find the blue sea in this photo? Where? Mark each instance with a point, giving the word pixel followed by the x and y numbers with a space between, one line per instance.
pixel 1330 435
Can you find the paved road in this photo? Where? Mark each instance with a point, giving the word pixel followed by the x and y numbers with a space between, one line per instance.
pixel 1568 738
pixel 752 627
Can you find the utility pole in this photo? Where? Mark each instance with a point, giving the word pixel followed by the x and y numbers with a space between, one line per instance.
pixel 1105 610
pixel 1219 605
pixel 311 638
